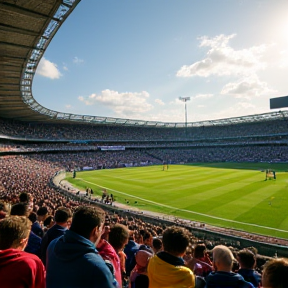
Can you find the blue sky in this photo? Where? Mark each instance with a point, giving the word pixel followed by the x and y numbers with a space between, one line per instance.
pixel 135 58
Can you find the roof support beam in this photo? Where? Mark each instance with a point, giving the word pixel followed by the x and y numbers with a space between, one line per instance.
pixel 9 28
pixel 23 11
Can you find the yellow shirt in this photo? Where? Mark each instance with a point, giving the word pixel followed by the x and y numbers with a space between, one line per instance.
pixel 164 275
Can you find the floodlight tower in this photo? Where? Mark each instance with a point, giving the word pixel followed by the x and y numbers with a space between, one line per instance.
pixel 185 99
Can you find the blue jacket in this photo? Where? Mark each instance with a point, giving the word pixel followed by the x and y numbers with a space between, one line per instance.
pixel 222 279
pixel 54 232
pixel 251 276
pixel 34 244
pixel 36 229
pixel 73 261
pixel 130 249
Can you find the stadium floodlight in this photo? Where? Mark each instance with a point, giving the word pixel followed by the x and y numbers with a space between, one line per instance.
pixel 185 99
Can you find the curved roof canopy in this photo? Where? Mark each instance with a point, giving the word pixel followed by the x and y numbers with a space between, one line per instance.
pixel 26 29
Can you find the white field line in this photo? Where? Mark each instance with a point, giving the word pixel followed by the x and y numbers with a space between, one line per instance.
pixel 184 210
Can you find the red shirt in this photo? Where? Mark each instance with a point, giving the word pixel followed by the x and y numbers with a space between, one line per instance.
pixel 19 269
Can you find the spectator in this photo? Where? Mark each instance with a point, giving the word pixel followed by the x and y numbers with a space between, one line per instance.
pixel 48 223
pixel 223 276
pixel 105 233
pixel 63 217
pixel 166 269
pixel 34 241
pixel 18 268
pixel 247 262
pixel 3 209
pixel 26 198
pixel 147 242
pixel 118 238
pixel 72 259
pixel 139 277
pixel 275 274
pixel 157 245
pixel 200 263
pixel 130 249
pixel 42 214
pixel 36 227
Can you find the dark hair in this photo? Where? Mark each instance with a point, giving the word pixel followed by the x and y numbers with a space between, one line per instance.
pixel 147 235
pixel 246 258
pixel 85 219
pixel 42 211
pixel 199 250
pixel 19 209
pixel 62 214
pixel 48 221
pixel 157 243
pixel 175 239
pixel 118 236
pixel 32 217
pixel 24 197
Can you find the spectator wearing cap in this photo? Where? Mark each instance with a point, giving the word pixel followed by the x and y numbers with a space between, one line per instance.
pixel 167 269
pixel 275 273
pixel 63 217
pixel 138 276
pixel 18 268
pixel 72 259
pixel 222 276
pixel 247 262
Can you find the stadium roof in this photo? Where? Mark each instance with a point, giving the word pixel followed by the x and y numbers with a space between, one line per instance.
pixel 26 29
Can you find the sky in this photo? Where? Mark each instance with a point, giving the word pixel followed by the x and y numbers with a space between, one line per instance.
pixel 134 58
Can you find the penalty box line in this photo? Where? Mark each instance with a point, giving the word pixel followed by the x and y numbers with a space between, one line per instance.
pixel 188 211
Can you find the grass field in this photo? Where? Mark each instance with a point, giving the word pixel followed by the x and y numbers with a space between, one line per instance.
pixel 233 195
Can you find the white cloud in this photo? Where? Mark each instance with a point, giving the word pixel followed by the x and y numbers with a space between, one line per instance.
pixel 65 68
pixel 238 109
pixel 68 106
pixel 203 96
pixel 159 101
pixel 125 104
pixel 77 60
pixel 221 59
pixel 247 88
pixel 48 69
pixel 176 101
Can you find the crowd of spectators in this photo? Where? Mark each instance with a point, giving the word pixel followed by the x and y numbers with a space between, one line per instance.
pixel 57 131
pixel 94 146
pixel 134 252
pixel 114 250
pixel 268 154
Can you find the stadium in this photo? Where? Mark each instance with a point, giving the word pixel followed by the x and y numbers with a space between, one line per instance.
pixel 224 180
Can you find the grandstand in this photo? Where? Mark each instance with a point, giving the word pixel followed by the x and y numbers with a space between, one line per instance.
pixel 28 128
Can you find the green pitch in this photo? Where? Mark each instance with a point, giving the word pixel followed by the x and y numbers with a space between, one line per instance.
pixel 233 195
